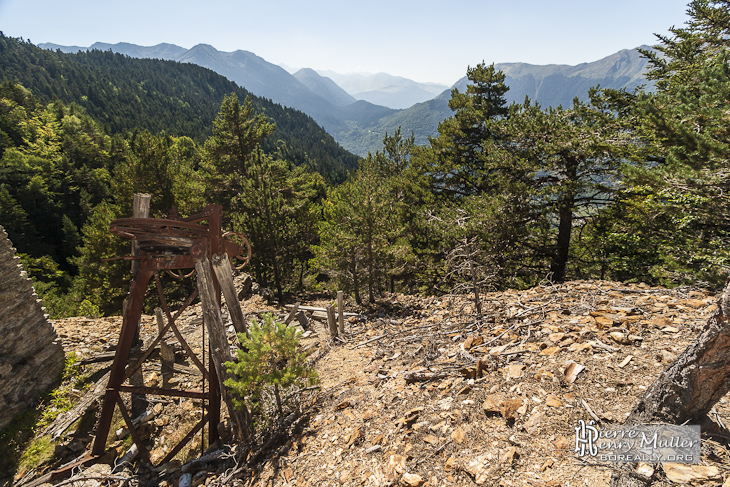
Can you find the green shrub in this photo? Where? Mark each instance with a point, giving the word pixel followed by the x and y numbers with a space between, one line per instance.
pixel 268 363
pixel 89 309
pixel 60 398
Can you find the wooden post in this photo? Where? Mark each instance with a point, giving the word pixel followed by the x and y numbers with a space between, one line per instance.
pixel 166 351
pixel 140 209
pixel 331 320
pixel 292 314
pixel 341 312
pixel 302 318
pixel 219 347
pixel 224 273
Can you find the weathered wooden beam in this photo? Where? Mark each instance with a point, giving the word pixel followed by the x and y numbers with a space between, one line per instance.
pixel 316 308
pixel 167 353
pixel 224 273
pixel 220 349
pixel 303 320
pixel 140 209
pixel 292 314
pixel 64 420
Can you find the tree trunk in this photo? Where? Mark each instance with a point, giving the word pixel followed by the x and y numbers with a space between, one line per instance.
pixel 474 281
pixel 692 384
pixel 371 272
pixel 696 380
pixel 356 284
pixel 277 279
pixel 565 227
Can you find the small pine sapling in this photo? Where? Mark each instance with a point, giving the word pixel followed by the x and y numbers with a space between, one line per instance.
pixel 268 360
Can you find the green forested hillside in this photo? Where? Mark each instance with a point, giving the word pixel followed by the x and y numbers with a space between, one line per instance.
pixel 125 94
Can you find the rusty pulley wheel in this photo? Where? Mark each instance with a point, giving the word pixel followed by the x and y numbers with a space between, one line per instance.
pixel 180 276
pixel 242 245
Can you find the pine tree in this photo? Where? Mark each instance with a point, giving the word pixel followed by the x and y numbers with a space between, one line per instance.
pixel 458 166
pixel 237 131
pixel 265 197
pixel 275 208
pixel 687 116
pixel 362 233
pixel 576 156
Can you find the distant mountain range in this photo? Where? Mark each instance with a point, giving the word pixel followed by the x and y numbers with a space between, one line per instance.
pixel 357 108
pixel 385 89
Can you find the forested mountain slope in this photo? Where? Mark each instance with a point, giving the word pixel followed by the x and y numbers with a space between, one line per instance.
pixel 360 126
pixel 550 85
pixel 127 93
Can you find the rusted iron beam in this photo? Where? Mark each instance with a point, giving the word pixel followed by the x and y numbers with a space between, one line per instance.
pixel 158 391
pixel 121 357
pixel 186 439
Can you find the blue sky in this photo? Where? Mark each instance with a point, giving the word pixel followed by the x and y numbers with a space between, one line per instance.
pixel 424 40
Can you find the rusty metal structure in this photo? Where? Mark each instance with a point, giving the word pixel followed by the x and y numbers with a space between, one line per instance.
pixel 173 244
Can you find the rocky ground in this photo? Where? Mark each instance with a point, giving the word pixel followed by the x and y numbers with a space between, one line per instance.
pixel 421 391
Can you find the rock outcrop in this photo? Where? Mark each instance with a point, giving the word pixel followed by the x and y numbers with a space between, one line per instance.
pixel 31 355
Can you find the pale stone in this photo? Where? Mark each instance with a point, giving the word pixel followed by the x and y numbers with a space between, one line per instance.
pixel 412 480
pixel 682 473
pixel 532 425
pixel 553 401
pixel 458 436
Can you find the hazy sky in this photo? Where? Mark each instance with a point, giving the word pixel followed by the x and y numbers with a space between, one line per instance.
pixel 425 40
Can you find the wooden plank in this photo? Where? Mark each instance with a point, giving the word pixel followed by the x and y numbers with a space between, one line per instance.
pixel 302 318
pixel 224 273
pixel 64 420
pixel 108 357
pixel 219 347
pixel 292 314
pixel 315 308
pixel 320 315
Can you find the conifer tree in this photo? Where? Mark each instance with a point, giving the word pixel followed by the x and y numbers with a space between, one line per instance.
pixel 687 117
pixel 537 172
pixel 459 166
pixel 363 238
pixel 265 197
pixel 575 156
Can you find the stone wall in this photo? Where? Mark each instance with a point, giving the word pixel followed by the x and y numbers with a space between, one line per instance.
pixel 31 355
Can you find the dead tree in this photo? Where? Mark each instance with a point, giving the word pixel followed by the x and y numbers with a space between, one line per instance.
pixel 692 384
pixel 468 265
pixel 463 263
